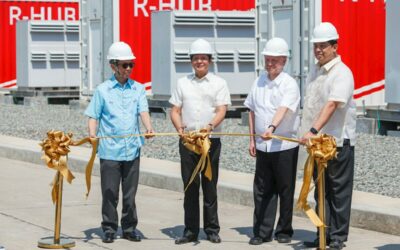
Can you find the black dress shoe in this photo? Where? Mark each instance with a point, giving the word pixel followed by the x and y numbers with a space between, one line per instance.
pixel 258 240
pixel 214 238
pixel 108 237
pixel 132 236
pixel 283 238
pixel 314 243
pixel 185 239
pixel 336 245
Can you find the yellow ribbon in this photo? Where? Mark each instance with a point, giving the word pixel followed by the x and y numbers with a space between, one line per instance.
pixel 199 143
pixel 321 149
pixel 55 153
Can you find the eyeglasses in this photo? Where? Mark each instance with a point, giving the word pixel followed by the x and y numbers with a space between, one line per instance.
pixel 200 58
pixel 126 65
pixel 321 46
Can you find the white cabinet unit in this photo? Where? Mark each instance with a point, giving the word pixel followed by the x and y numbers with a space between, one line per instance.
pixel 231 33
pixel 48 54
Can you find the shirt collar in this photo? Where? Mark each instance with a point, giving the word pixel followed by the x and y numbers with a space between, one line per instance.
pixel 129 84
pixel 331 63
pixel 277 81
pixel 206 77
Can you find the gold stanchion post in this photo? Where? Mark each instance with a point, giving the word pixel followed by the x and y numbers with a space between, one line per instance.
pixel 56 242
pixel 321 206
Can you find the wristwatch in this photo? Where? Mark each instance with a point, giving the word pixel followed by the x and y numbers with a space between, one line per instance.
pixel 272 126
pixel 313 131
pixel 211 126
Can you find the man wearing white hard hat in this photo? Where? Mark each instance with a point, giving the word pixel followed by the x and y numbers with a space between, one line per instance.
pixel 114 110
pixel 274 102
pixel 199 102
pixel 329 109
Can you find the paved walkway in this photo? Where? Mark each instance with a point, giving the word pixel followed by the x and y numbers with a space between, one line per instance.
pixel 27 214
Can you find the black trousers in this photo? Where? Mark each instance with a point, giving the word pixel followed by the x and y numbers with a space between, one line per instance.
pixel 338 192
pixel 275 177
pixel 114 173
pixel 191 204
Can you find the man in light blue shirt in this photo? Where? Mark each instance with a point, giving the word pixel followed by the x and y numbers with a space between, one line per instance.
pixel 114 111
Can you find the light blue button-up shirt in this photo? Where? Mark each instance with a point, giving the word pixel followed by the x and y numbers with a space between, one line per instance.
pixel 117 107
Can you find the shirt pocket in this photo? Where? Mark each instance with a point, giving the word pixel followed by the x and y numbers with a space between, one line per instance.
pixel 131 102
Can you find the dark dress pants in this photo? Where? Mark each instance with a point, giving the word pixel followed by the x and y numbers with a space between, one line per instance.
pixel 114 173
pixel 191 204
pixel 338 192
pixel 275 177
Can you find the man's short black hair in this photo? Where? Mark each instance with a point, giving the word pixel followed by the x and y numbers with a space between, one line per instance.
pixel 332 42
pixel 114 61
pixel 209 57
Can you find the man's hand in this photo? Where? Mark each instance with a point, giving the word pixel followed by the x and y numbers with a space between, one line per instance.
pixel 267 134
pixel 306 136
pixel 205 132
pixel 149 133
pixel 181 131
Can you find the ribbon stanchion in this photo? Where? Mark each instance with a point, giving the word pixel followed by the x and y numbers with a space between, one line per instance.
pixel 320 150
pixel 55 153
pixel 57 242
pixel 321 207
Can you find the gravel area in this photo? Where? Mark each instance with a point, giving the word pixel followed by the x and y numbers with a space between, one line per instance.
pixel 377 157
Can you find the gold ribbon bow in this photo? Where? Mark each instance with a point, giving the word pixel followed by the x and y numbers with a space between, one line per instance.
pixel 55 153
pixel 321 149
pixel 199 143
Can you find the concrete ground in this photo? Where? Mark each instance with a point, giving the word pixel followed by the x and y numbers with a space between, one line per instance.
pixel 27 215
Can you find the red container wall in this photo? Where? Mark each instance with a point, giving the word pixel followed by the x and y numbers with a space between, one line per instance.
pixel 361 28
pixel 10 12
pixel 135 27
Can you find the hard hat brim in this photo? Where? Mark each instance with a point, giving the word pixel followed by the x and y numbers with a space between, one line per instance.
pixel 274 54
pixel 321 40
pixel 122 58
pixel 201 53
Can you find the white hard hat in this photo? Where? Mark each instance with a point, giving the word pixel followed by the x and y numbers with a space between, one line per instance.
pixel 201 46
pixel 324 32
pixel 120 51
pixel 276 47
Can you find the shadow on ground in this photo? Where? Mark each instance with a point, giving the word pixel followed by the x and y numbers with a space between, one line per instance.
pixel 299 235
pixel 389 247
